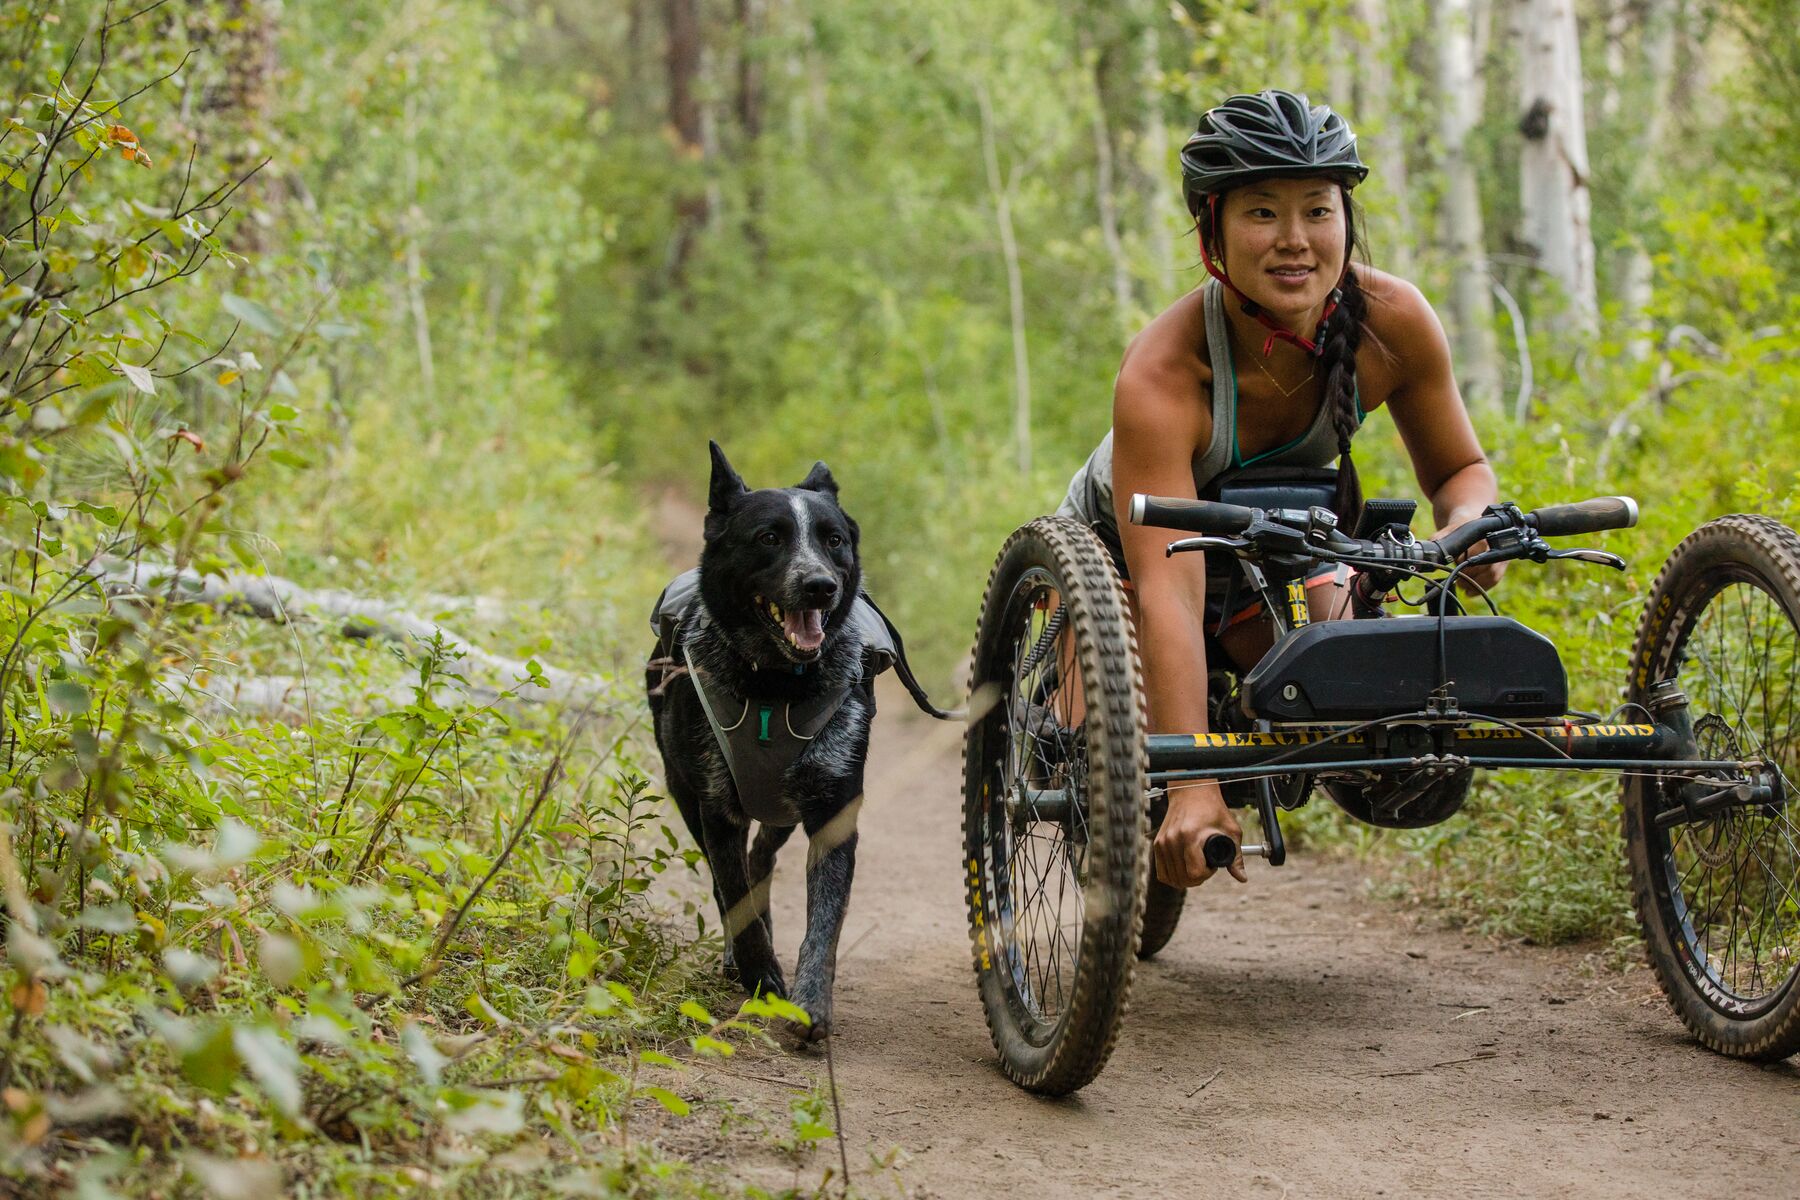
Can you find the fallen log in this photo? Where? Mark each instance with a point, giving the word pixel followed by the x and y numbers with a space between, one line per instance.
pixel 272 598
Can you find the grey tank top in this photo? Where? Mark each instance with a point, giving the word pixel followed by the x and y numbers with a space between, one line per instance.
pixel 1090 495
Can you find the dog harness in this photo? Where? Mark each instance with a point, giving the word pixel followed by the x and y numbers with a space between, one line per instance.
pixel 763 740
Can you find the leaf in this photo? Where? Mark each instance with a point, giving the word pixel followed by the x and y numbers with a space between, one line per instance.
pixel 140 378
pixel 68 697
pixel 692 1010
pixel 656 1058
pixel 250 313
pixel 424 1055
pixel 236 844
pixel 227 378
pixel 187 969
pixel 234 1178
pixel 288 458
pixel 211 1062
pixel 474 1112
pixel 669 1100
pixel 273 1063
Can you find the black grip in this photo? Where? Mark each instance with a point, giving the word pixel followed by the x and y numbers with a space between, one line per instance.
pixel 1220 851
pixel 1586 516
pixel 1190 516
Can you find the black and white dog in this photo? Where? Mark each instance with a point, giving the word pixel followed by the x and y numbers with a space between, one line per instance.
pixel 762 707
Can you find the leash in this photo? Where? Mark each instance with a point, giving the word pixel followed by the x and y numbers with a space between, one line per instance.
pixel 903 669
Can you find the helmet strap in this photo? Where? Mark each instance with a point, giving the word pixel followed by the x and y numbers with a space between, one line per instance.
pixel 1278 332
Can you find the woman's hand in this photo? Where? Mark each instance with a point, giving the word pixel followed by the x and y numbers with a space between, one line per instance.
pixel 1195 813
pixel 1483 575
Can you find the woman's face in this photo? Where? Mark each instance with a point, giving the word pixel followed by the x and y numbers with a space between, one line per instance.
pixel 1282 241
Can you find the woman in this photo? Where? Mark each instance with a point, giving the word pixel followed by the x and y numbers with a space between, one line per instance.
pixel 1275 361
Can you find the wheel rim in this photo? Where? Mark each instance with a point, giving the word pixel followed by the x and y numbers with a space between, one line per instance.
pixel 1037 867
pixel 1733 881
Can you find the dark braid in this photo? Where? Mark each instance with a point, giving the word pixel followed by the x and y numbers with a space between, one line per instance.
pixel 1337 354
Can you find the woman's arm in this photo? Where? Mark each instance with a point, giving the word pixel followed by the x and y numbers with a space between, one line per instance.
pixel 1434 424
pixel 1159 418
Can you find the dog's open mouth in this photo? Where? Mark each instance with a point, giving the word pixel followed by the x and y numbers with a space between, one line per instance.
pixel 804 628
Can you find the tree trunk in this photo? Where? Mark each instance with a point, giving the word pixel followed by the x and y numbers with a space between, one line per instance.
pixel 1375 100
pixel 682 21
pixel 1124 302
pixel 750 14
pixel 414 232
pixel 1553 161
pixel 1632 272
pixel 1161 206
pixel 1471 304
pixel 1001 189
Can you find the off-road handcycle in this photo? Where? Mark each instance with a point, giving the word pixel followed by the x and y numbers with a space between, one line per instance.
pixel 1388 715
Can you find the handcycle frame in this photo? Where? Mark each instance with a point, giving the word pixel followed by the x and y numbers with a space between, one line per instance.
pixel 1275 547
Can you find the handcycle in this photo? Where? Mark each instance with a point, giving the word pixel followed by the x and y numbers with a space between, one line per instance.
pixel 1388 715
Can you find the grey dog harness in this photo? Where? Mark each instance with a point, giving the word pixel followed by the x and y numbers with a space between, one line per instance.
pixel 763 740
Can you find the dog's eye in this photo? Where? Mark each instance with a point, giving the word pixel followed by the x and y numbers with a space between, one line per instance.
pixel 834 540
pixel 769 537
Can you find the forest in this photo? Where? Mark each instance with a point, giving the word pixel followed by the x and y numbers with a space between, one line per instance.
pixel 359 354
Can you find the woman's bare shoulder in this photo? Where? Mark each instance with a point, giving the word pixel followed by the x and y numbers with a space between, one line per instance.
pixel 1169 352
pixel 1398 310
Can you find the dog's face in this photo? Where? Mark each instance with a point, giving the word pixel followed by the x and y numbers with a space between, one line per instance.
pixel 779 571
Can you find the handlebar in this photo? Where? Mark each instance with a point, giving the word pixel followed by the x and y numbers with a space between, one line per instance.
pixel 1194 516
pixel 1586 516
pixel 1209 517
pixel 1219 849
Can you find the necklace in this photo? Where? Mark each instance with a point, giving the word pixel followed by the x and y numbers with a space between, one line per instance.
pixel 1286 392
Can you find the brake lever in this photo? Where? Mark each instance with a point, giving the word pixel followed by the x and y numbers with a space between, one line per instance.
pixel 1599 558
pixel 1205 543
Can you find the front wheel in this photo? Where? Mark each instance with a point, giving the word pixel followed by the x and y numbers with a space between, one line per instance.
pixel 1717 890
pixel 1055 812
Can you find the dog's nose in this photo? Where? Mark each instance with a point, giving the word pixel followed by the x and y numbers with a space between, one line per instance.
pixel 821 590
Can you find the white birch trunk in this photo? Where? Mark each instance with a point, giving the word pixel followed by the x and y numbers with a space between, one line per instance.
pixel 1000 191
pixel 1553 161
pixel 1375 101
pixel 1471 303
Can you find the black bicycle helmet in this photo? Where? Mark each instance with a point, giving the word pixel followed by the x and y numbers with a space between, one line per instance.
pixel 1273 133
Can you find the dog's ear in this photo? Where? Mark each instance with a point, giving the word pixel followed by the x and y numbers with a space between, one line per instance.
pixel 819 480
pixel 727 484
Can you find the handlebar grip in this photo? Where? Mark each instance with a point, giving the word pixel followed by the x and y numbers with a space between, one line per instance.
pixel 1220 851
pixel 1586 516
pixel 1190 516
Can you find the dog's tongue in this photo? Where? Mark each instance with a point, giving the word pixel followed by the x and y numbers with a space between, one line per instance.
pixel 805 627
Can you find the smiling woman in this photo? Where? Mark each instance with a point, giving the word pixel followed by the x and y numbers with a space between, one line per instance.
pixel 1268 179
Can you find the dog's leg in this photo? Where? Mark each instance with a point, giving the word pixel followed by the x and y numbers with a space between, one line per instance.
pixel 743 907
pixel 830 865
pixel 768 840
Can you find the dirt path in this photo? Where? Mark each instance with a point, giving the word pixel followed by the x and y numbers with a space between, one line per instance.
pixel 1293 1039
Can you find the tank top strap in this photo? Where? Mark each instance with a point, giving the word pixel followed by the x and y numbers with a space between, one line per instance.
pixel 1210 464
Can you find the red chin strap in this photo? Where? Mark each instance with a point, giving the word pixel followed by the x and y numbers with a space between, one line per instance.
pixel 1277 331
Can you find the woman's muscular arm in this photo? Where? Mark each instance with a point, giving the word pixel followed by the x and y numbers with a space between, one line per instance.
pixel 1160 417
pixel 1429 413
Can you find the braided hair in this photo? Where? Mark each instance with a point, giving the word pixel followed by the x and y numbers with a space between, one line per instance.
pixel 1338 343
pixel 1337 355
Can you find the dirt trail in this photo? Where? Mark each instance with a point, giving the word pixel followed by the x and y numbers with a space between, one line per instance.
pixel 1294 1038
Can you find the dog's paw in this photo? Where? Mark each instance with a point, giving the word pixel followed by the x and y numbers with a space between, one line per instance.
pixel 767 982
pixel 811 1034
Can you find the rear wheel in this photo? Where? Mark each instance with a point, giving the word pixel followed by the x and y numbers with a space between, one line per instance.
pixel 1719 897
pixel 1056 823
pixel 1162 913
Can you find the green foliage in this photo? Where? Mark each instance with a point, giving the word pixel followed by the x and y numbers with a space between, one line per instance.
pixel 282 908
